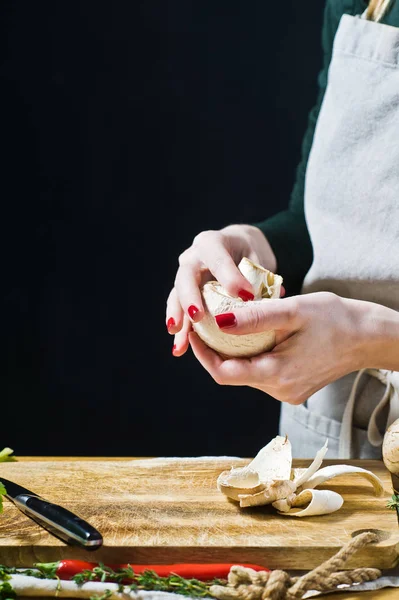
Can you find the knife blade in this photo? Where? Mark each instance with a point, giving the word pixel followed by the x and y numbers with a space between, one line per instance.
pixel 59 521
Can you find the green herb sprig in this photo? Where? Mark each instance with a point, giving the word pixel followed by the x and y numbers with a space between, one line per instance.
pixel 148 580
pixel 6 455
pixel 103 596
pixel 5 573
pixel 3 492
pixel 393 503
pixel 6 591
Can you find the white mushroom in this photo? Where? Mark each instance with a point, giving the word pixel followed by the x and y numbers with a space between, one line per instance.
pixel 266 285
pixel 390 448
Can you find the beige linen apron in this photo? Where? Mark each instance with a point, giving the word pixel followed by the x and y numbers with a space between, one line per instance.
pixel 352 212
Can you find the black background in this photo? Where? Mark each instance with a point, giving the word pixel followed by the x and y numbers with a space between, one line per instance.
pixel 126 128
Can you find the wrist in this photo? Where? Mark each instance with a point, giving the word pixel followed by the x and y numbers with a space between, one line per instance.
pixel 377 337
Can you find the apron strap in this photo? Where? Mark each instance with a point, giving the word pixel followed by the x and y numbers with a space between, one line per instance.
pixel 391 396
pixel 374 12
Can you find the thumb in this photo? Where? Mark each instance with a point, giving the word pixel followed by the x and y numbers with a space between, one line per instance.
pixel 259 316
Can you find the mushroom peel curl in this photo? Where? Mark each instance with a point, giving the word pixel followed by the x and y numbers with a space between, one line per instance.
pixel 266 285
pixel 270 479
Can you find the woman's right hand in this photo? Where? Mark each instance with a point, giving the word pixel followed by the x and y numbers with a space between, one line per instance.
pixel 213 255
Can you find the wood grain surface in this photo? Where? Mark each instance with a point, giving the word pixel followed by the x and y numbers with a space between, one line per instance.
pixel 169 510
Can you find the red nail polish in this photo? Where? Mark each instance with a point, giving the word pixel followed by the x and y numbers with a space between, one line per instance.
pixel 173 349
pixel 244 295
pixel 192 311
pixel 226 320
pixel 171 323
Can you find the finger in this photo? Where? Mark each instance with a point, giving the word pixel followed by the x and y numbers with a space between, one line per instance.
pixel 235 371
pixel 187 284
pixel 224 372
pixel 208 258
pixel 222 266
pixel 209 359
pixel 181 341
pixel 259 316
pixel 174 313
pixel 282 291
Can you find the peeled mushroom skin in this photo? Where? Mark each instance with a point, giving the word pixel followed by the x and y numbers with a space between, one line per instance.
pixel 239 481
pixel 314 466
pixel 326 473
pixel 316 502
pixel 270 479
pixel 284 505
pixel 274 460
pixel 275 490
pixel 265 284
pixel 241 477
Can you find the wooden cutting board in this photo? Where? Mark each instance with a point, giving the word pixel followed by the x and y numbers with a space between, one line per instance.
pixel 169 510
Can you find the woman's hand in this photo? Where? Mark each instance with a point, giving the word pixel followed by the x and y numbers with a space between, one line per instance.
pixel 213 255
pixel 320 337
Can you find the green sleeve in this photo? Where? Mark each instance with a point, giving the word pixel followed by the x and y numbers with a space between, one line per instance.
pixel 287 231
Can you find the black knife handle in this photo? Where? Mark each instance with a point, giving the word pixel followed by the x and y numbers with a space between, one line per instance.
pixel 60 522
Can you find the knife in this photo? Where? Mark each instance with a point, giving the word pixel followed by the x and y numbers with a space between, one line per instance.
pixel 59 521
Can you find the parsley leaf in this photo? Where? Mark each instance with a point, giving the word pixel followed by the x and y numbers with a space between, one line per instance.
pixel 5 455
pixel 393 503
pixel 2 493
pixel 6 591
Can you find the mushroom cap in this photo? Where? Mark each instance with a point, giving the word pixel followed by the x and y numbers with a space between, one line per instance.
pixel 390 448
pixel 226 344
pixel 217 300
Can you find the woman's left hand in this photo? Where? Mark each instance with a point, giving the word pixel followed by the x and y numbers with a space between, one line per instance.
pixel 319 339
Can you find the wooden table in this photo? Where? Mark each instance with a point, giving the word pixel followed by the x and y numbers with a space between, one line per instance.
pixel 386 594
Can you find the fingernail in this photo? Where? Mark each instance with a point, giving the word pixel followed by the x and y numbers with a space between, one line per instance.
pixel 226 320
pixel 171 323
pixel 244 295
pixel 192 311
pixel 282 291
pixel 173 349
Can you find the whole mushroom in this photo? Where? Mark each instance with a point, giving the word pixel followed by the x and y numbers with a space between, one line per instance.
pixel 390 448
pixel 266 285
